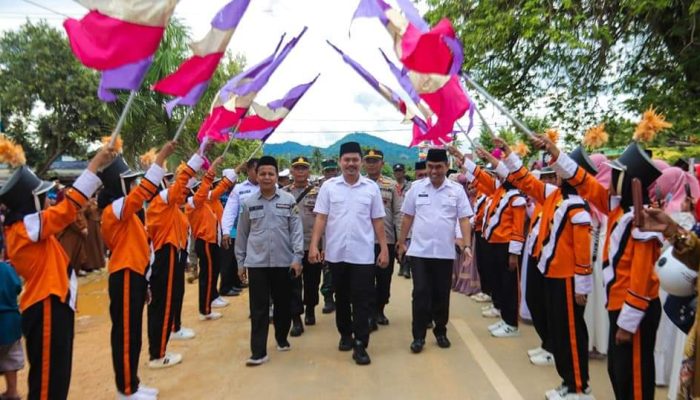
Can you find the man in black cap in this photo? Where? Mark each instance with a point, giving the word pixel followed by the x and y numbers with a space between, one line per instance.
pixel 270 245
pixel 349 210
pixel 421 170
pixel 433 208
pixel 402 182
pixel 305 195
pixel 373 164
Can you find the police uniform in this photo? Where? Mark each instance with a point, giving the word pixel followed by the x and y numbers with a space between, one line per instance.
pixel 270 238
pixel 309 282
pixel 349 251
pixel 327 285
pixel 629 256
pixel 168 234
pixel 435 211
pixel 47 302
pixel 392 221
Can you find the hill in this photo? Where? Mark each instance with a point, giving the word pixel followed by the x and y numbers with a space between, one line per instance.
pixel 393 153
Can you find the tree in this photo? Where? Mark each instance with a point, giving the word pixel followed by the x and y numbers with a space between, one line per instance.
pixel 570 55
pixel 47 96
pixel 316 159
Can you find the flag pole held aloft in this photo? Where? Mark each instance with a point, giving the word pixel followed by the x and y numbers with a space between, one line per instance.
pixel 182 123
pixel 498 105
pixel 122 118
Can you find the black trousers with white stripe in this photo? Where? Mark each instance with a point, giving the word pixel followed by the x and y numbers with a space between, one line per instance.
pixel 160 309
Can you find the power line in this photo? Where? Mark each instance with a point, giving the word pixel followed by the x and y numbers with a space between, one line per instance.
pixel 46 8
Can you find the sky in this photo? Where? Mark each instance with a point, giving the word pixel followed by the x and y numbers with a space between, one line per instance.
pixel 340 102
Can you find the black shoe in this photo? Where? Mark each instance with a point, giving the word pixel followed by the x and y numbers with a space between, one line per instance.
pixel 382 319
pixel 359 354
pixel 373 324
pixel 407 275
pixel 231 293
pixel 430 325
pixel 244 285
pixel 345 344
pixel 443 342
pixel 310 318
pixel 401 272
pixel 297 327
pixel 328 306
pixel 417 345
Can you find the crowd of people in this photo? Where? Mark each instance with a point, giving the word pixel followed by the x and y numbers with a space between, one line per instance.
pixel 557 243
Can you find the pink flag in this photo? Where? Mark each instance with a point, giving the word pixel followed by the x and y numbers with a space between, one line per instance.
pixel 119 38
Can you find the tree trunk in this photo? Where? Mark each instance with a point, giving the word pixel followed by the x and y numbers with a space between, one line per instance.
pixel 45 166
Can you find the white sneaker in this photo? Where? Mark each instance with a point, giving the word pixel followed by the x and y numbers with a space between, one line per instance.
pixel 183 334
pixel 505 331
pixel 475 296
pixel 497 325
pixel 210 317
pixel 148 390
pixel 556 393
pixel 491 313
pixel 486 307
pixel 578 396
pixel 543 359
pixel 533 352
pixel 169 360
pixel 252 362
pixel 219 303
pixel 139 395
pixel 483 298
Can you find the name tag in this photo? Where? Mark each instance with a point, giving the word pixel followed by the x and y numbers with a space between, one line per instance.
pixel 423 198
pixel 244 191
pixel 285 206
pixel 256 208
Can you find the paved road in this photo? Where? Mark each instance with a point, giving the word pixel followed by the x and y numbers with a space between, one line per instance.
pixel 476 367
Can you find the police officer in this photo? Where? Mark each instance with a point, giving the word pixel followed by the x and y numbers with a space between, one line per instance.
pixel 433 207
pixel 373 164
pixel 349 210
pixel 305 195
pixel 270 245
pixel 402 182
pixel 330 170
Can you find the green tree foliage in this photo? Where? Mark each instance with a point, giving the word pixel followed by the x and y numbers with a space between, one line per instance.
pixel 48 98
pixel 573 53
pixel 316 160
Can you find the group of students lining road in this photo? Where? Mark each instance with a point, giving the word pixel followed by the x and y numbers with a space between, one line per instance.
pixel 349 229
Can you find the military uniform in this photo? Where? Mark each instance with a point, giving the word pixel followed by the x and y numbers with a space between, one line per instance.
pixel 327 285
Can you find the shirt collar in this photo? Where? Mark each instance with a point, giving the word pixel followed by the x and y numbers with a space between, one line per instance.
pixel 362 180
pixel 276 195
pixel 427 183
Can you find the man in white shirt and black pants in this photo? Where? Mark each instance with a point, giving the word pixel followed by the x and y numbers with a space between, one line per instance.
pixel 433 207
pixel 349 209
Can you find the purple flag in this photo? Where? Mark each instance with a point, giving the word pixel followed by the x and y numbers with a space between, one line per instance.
pixel 402 76
pixel 412 15
pixel 127 77
pixel 371 9
pixel 230 15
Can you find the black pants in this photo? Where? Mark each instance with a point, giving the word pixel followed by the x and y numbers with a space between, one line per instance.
pixel 228 268
pixel 160 309
pixel 265 283
pixel 506 283
pixel 483 265
pixel 568 333
pixel 383 279
pixel 179 289
pixel 631 365
pixel 127 295
pixel 206 253
pixel 536 302
pixel 48 328
pixel 305 288
pixel 432 280
pixel 327 284
pixel 496 260
pixel 354 286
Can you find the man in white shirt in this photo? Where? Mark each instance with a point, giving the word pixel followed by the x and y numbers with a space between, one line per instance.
pixel 432 207
pixel 231 284
pixel 349 209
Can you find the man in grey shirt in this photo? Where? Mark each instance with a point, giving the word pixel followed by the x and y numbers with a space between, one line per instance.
pixel 270 247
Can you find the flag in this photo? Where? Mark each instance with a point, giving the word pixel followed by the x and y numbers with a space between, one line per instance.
pixel 189 82
pixel 237 95
pixel 265 119
pixel 119 38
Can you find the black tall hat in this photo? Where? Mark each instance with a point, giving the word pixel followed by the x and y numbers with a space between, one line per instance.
pixel 117 177
pixel 23 191
pixel 350 147
pixel 633 163
pixel 581 157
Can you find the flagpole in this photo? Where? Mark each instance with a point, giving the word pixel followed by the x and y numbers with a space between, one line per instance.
pixel 461 128
pixel 488 127
pixel 498 105
pixel 182 123
pixel 233 135
pixel 262 143
pixel 122 118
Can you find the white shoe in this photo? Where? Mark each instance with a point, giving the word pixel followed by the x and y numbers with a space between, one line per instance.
pixel 497 325
pixel 491 313
pixel 505 331
pixel 475 296
pixel 486 307
pixel 483 298
pixel 219 303
pixel 169 360
pixel 148 390
pixel 252 362
pixel 578 396
pixel 139 395
pixel 543 359
pixel 533 352
pixel 183 334
pixel 284 347
pixel 556 393
pixel 210 317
